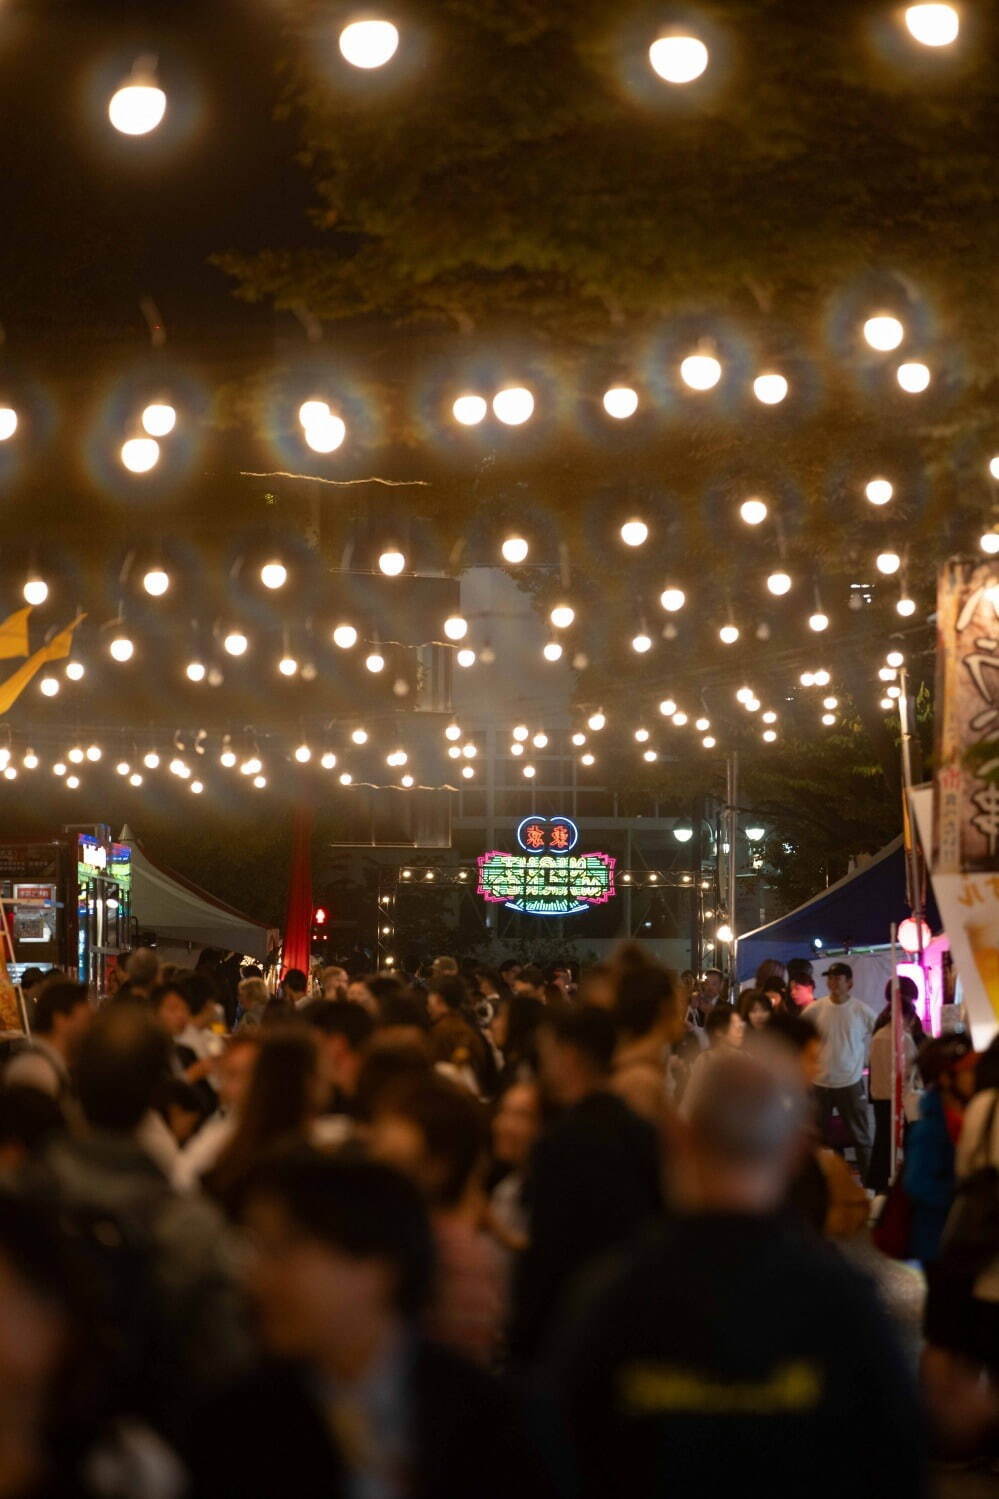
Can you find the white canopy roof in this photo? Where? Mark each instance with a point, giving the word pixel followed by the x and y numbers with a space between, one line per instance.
pixel 178 911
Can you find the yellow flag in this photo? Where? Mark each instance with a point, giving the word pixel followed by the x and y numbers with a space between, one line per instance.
pixel 57 649
pixel 14 635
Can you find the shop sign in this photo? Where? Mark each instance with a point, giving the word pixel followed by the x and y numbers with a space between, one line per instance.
pixel 547 878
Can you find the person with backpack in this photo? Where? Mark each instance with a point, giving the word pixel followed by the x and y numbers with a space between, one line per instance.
pixel 62 1015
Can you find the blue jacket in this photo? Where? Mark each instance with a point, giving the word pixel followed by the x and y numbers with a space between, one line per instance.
pixel 929 1178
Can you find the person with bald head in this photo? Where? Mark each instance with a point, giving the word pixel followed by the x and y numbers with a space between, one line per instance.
pixel 732 1346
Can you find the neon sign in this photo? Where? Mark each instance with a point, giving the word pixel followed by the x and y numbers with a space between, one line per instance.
pixel 548 878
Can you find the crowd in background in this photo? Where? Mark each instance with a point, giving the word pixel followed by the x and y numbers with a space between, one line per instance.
pixel 484 1232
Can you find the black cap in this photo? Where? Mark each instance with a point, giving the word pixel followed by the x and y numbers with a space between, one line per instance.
pixel 842 970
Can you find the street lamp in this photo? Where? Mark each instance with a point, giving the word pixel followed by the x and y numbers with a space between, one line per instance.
pixel 755 834
pixel 683 834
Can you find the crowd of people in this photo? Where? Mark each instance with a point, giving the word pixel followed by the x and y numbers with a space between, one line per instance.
pixel 484 1232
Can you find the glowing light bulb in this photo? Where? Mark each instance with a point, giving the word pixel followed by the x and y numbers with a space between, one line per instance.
pixel 994 467
pixel 989 542
pixel 76 755
pixel 678 59
pixel 579 739
pixel 906 607
pixel 121 648
pixel 151 760
pixel 913 377
pixel 453 731
pixel 779 583
pixel 552 651
pixel 514 549
pixel 822 678
pixel 465 658
pixel 345 636
pixel 621 401
pixel 728 634
pixel 30 760
pixel 886 704
pixel 641 643
pixel 933 25
pixel 667 707
pixel 879 491
pixel 456 628
pixel 672 599
pixel 288 666
pixel 236 643
pixel 888 563
pixel 702 725
pixel 588 759
pixel 140 454
pixel 73 782
pixel 312 412
pixel 679 719
pixel 562 616
pixel 123 768
pixel 530 772
pixel 391 562
pixel 94 753
pixel 228 758
pixel 359 736
pixel 818 622
pixel 59 769
pixel 516 749
pixel 8 423
pixel 327 434
pixel 895 658
pixel 196 787
pixel 469 411
pixel 596 721
pixel 375 662
pixel 709 741
pixel 754 511
pixel 260 782
pixel 769 736
pixel 513 406
pixel 303 754
pixel 828 719
pixel 700 371
pixel 642 735
pixel 770 389
pixel 328 761
pixel 770 716
pixel 407 781
pixel 75 671
pixel 830 702
pixel 521 732
pixel 883 332
pixel 274 575
pixel 369 44
pixel 139 105
pixel 156 582
pixel 634 533
pixel 159 419
pixel 35 592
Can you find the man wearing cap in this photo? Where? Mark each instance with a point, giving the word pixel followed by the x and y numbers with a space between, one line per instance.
pixel 845 1026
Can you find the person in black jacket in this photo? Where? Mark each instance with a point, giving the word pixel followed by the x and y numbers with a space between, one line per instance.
pixel 355 1398
pixel 593 1179
pixel 733 1350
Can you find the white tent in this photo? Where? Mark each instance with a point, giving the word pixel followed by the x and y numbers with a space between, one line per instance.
pixel 179 912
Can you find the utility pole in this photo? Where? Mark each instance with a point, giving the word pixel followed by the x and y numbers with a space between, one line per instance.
pixel 732 825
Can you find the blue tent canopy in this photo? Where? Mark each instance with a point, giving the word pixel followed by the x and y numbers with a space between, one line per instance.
pixel 858 911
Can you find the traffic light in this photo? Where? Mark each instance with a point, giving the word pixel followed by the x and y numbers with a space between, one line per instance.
pixel 320 917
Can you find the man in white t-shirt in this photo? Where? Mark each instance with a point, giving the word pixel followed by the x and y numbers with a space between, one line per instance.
pixel 845 1026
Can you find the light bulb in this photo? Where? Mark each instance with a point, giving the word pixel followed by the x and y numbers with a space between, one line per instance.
pixel 274 575
pixel 769 736
pixel 287 666
pixel 700 371
pixel 989 542
pixel 303 754
pixel 933 25
pixel 621 401
pixel 913 377
pixel 596 721
pixel 513 406
pixel 828 719
pixel 709 741
pixel 369 44
pixel 883 332
pixel 391 562
pixel 452 732
pixel 151 760
pixel 75 670
pixel 634 533
pixel 228 758
pixel 830 703
pixel 779 583
pixel 641 643
pixel 327 434
pixel 375 662
pixel 8 422
pixel 76 755
pixel 159 419
pixel 455 627
pixel 94 753
pixel 359 736
pixel 886 704
pixel 138 106
pixel 552 651
pixel 260 782
pixel 770 389
pixel 728 634
pixel 818 621
pixel 313 411
pixel 724 933
pixel 328 760
pixel 521 732
pixel 469 411
pixel 702 725
pixel 514 549
pixel 579 739
pixel 754 511
pixel 895 658
pixel 73 782
pixel 530 772
pixel 822 678
pixel 123 768
pixel 649 756
pixel 562 616
pixel 994 467
pixel 587 759
pixel 121 648
pixel 678 59
pixel 236 643
pixel 35 592
pixel 770 716
pixel 879 491
pixel 406 781
pixel 465 658
pixel 679 718
pixel 905 607
pixel 345 636
pixel 197 787
pixel 888 563
pixel 642 735
pixel 345 778
pixel 30 760
pixel 672 599
pixel 667 707
pixel 59 768
pixel 516 749
pixel 135 779
pixel 156 582
pixel 140 454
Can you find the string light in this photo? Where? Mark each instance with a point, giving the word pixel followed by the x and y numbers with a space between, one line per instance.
pixel 196 787
pixel 906 607
pixel 779 583
pixel 513 406
pixel 530 772
pixel 770 716
pixel 236 643
pixel 933 25
pixel 328 761
pixel 456 628
pixel 678 59
pixel 30 760
pixel 879 491
pixel 35 592
pixel 391 562
pixel 634 533
pixel 888 563
pixel 596 721
pixel 260 782
pixel 642 735
pixel 709 741
pixel 679 719
pixel 578 740
pixel 672 599
pixel 140 454
pixel 274 574
pixel 994 467
pixel 828 719
pixel 989 543
pixel 303 754
pixel 48 686
pixel 913 377
pixel 649 756
pixel 228 758
pixel 769 736
pixel 8 423
pixel 76 755
pixel 151 760
pixel 886 704
pixel 562 616
pixel 345 636
pixel 770 389
pixel 121 649
pixel 700 371
pixel 59 769
pixel 516 749
pixel 818 622
pixel 75 671
pixel 375 662
pixel 702 725
pixel 521 732
pixel 552 651
pixel 327 434
pixel 159 419
pixel 139 105
pixel 588 759
pixel 621 402
pixel 359 736
pixel 369 44
pixel 73 782
pixel 895 658
pixel 641 643
pixel 469 411
pixel 345 778
pixel 883 332
pixel 94 753
pixel 156 582
pixel 667 707
pixel 407 781
pixel 754 511
pixel 135 779
pixel 514 549
pixel 288 666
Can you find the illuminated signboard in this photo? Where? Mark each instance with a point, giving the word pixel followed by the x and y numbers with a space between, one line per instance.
pixel 548 878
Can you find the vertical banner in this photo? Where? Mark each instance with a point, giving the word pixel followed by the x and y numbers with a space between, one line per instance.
pixel 298 917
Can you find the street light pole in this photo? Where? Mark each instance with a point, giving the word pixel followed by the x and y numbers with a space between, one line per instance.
pixel 732 824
